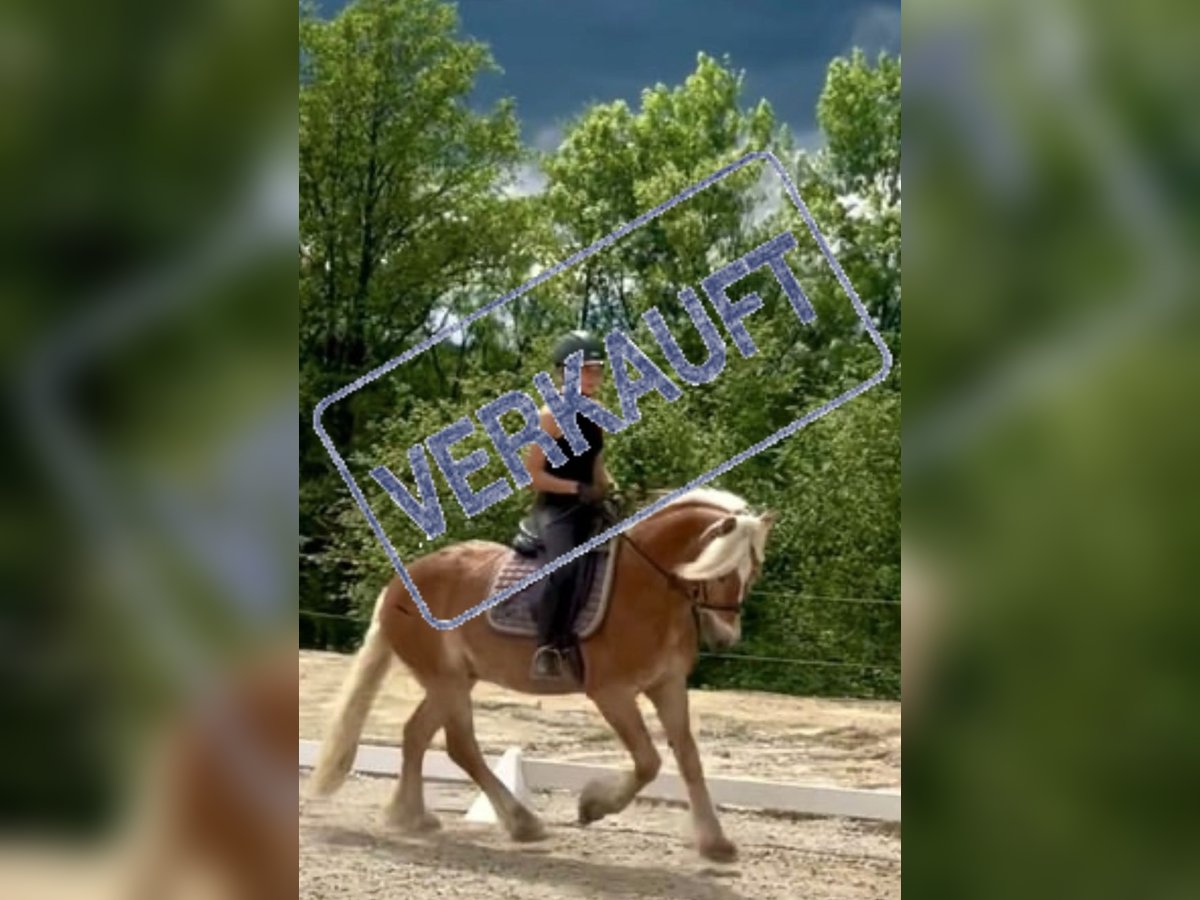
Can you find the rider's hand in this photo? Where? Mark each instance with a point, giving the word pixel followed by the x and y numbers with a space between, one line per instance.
pixel 590 494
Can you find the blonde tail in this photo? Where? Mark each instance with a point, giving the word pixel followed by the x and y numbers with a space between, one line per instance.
pixel 358 693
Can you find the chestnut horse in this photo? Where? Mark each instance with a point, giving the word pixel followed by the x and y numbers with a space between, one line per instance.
pixel 681 576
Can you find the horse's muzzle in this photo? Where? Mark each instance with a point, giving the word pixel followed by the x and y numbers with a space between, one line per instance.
pixel 718 634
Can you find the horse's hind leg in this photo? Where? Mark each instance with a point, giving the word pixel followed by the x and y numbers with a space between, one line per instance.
pixel 519 821
pixel 603 796
pixel 407 807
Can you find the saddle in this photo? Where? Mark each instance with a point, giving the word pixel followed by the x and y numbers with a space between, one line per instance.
pixel 528 541
pixel 516 615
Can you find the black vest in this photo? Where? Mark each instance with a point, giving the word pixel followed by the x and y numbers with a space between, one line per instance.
pixel 577 468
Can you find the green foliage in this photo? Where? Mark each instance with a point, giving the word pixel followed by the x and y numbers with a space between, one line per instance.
pixel 615 163
pixel 405 224
pixel 859 112
pixel 854 187
pixel 400 208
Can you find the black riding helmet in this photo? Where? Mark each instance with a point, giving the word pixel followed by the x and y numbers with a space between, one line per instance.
pixel 592 347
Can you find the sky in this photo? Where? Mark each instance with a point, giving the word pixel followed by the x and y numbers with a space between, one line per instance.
pixel 559 56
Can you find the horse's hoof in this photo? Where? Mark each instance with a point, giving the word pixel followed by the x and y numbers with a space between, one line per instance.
pixel 528 828
pixel 719 849
pixel 591 805
pixel 420 823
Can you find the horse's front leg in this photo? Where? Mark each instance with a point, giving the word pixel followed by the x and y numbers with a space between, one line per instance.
pixel 670 701
pixel 604 796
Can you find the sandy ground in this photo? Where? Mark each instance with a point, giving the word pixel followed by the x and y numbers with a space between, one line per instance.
pixel 845 743
pixel 346 851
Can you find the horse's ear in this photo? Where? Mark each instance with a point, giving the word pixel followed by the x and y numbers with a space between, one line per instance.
pixel 718 529
pixel 769 518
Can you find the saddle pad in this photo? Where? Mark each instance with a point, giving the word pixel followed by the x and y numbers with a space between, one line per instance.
pixel 515 616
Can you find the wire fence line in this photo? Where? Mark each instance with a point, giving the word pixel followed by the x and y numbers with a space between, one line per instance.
pixel 825 598
pixel 830 663
pixel 704 654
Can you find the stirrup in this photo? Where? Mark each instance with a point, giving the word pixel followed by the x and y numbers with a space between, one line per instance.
pixel 554 664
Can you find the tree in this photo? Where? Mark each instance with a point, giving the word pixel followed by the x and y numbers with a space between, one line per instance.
pixel 400 204
pixel 853 185
pixel 615 163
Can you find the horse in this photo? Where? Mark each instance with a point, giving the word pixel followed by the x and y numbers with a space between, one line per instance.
pixel 680 578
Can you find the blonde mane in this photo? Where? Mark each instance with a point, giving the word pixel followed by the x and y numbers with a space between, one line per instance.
pixel 735 550
pixel 728 501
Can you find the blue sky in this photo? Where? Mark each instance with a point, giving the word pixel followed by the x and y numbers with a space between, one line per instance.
pixel 560 55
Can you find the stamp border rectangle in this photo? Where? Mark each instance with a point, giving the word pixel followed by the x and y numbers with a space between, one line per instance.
pixel 786 431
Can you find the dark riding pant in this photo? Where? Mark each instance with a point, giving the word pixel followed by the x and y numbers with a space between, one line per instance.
pixel 563 528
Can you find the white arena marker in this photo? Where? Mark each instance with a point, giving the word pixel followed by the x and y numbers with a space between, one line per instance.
pixel 511 773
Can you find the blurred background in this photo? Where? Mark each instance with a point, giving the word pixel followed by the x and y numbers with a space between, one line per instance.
pixel 147 337
pixel 1049 449
pixel 159 372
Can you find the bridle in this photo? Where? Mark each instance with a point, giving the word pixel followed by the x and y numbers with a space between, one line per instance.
pixel 696 593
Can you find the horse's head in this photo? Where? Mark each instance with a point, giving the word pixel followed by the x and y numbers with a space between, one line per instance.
pixel 730 560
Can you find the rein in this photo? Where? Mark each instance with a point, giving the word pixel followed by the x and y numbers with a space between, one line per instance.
pixel 680 585
pixel 697 599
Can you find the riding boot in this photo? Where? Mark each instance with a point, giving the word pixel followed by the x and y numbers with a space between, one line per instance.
pixel 547 663
pixel 562 530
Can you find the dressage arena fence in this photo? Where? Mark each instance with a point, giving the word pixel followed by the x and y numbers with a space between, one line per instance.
pixel 522 775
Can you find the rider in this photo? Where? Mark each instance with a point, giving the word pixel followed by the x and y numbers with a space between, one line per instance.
pixel 566 505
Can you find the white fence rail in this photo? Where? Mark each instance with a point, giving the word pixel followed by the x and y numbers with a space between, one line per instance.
pixel 542 774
